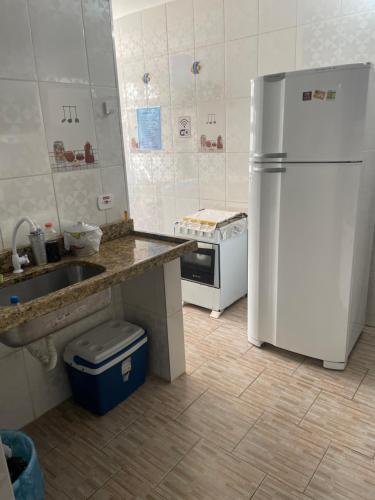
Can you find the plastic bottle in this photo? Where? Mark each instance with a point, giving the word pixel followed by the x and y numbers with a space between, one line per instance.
pixel 52 243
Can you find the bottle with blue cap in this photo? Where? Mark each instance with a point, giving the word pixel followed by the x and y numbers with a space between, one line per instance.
pixel 14 300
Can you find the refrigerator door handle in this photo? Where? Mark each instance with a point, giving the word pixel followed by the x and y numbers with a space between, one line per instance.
pixel 269 155
pixel 269 170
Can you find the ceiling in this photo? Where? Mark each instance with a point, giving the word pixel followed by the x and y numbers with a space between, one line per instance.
pixel 123 7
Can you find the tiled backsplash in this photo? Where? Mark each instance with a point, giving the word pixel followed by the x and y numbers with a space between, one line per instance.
pixel 56 54
pixel 234 40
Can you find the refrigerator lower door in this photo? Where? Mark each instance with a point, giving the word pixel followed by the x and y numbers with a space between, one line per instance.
pixel 302 229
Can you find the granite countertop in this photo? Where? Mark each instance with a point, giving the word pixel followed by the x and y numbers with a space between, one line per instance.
pixel 122 258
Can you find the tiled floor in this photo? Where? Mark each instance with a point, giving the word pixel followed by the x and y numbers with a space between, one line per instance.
pixel 242 423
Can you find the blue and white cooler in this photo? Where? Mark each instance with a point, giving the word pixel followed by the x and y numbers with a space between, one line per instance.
pixel 106 364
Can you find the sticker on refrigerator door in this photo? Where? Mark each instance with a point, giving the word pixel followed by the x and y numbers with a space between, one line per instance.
pixel 306 95
pixel 319 94
pixel 331 95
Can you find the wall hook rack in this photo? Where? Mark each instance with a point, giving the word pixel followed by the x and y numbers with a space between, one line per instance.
pixel 196 68
pixel 146 78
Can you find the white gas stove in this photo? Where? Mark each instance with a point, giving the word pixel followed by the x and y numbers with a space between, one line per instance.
pixel 215 275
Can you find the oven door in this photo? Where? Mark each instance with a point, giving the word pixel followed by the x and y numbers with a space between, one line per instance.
pixel 202 265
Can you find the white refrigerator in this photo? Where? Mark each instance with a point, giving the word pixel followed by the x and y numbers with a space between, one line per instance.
pixel 311 209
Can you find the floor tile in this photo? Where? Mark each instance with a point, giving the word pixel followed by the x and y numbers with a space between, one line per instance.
pixel 345 421
pixel 343 474
pixel 127 485
pixel 196 356
pixel 78 471
pixel 228 338
pixel 208 472
pixel 282 393
pixel 272 489
pixel 230 374
pixel 363 354
pixel 151 446
pixel 282 449
pixel 159 396
pixel 366 391
pixel 276 358
pixel 220 418
pixel 344 383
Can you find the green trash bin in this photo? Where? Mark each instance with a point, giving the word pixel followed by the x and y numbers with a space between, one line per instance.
pixel 30 484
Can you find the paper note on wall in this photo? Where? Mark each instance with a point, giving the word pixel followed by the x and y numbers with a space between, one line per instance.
pixel 149 128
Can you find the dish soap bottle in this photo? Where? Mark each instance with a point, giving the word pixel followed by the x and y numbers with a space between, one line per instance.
pixel 52 243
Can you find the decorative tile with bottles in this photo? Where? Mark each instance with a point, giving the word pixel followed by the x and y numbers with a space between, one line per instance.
pixel 70 129
pixel 211 127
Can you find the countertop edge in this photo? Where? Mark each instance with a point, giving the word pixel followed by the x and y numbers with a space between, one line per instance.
pixel 13 317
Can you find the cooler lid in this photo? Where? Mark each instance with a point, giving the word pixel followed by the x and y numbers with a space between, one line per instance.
pixel 103 341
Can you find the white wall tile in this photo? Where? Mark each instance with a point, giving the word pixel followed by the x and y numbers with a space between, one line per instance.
pixel 208 22
pixel 141 174
pixel 157 89
pixel 312 12
pixel 318 44
pixel 241 18
pixel 130 43
pixel 113 180
pixel 237 177
pixel 74 135
pixel 16 51
pixel 238 125
pixel 132 82
pixel 76 195
pixel 186 175
pixel 358 41
pixel 166 131
pixel 180 25
pixel 241 65
pixel 16 405
pixel 353 6
pixel 186 206
pixel 181 78
pixel 212 204
pixel 154 31
pixel 31 196
pixel 276 15
pixel 277 51
pixel 165 213
pixel 22 141
pixel 163 174
pixel 342 40
pixel 210 80
pixel 98 34
pixel 211 176
pixel 107 126
pixel 57 31
pixel 237 207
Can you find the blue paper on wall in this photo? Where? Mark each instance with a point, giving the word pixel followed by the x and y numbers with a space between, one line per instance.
pixel 149 128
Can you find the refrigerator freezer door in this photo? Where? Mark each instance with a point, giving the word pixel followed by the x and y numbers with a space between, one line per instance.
pixel 301 239
pixel 306 116
pixel 325 114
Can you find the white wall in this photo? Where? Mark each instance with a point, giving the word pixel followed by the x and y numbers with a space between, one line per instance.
pixel 235 40
pixel 57 53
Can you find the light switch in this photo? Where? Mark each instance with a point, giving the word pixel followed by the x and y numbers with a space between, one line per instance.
pixel 105 201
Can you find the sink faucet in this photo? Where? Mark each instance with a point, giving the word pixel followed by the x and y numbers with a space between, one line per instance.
pixel 36 237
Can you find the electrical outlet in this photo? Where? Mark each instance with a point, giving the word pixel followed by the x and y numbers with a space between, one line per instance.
pixel 105 201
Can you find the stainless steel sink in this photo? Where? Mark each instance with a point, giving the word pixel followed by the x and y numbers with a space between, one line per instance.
pixel 37 286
